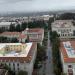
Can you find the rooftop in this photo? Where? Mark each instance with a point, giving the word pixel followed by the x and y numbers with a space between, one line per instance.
pixel 24 55
pixel 68 51
pixel 6 23
pixel 62 23
pixel 10 33
pixel 8 52
pixel 35 30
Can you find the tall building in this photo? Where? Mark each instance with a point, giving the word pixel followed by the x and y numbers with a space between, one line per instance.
pixel 18 56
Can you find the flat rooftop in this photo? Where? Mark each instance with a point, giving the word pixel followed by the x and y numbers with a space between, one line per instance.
pixel 23 52
pixel 62 23
pixel 6 23
pixel 67 49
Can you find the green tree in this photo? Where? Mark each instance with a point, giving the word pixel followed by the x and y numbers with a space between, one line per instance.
pixel 41 56
pixel 27 40
pixel 12 28
pixel 22 73
pixel 18 28
pixel 23 26
pixel 14 40
pixel 50 22
pixel 55 51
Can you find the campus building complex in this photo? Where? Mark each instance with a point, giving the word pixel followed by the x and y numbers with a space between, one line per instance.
pixel 18 56
pixel 34 34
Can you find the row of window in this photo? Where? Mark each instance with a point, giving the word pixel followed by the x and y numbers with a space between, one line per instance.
pixel 65 34
pixel 13 65
pixel 64 30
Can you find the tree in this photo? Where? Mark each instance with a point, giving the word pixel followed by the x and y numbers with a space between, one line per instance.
pixel 53 36
pixel 41 56
pixel 27 40
pixel 49 22
pixel 18 28
pixel 23 26
pixel 22 73
pixel 67 16
pixel 14 40
pixel 12 28
pixel 3 39
pixel 55 51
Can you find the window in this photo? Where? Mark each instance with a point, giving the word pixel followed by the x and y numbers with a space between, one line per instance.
pixel 18 68
pixel 68 34
pixel 69 66
pixel 9 64
pixel 18 64
pixel 63 34
pixel 13 66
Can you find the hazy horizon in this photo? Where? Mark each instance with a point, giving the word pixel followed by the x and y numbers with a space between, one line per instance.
pixel 9 6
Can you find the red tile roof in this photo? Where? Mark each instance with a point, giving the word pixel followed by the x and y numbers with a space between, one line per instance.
pixel 11 33
pixel 64 53
pixel 21 59
pixel 37 30
pixel 22 36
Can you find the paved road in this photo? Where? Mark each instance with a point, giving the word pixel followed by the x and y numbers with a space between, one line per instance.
pixel 49 64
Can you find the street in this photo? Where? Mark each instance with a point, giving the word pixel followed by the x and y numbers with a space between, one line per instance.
pixel 49 63
pixel 47 66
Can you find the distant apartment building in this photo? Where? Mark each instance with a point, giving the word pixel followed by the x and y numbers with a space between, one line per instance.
pixel 6 25
pixel 47 17
pixel 18 56
pixel 64 28
pixel 67 52
pixel 35 34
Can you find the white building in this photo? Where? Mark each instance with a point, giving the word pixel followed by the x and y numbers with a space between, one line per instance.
pixel 35 34
pixel 18 56
pixel 7 24
pixel 46 17
pixel 67 52
pixel 64 28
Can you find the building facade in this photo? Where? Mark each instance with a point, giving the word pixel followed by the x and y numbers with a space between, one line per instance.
pixel 35 34
pixel 64 28
pixel 6 25
pixel 67 52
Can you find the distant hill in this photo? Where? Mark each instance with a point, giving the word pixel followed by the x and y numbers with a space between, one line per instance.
pixel 67 16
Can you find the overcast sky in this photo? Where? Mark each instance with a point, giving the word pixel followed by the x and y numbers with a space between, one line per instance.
pixel 35 5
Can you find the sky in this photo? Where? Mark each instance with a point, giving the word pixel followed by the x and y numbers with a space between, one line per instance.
pixel 35 5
